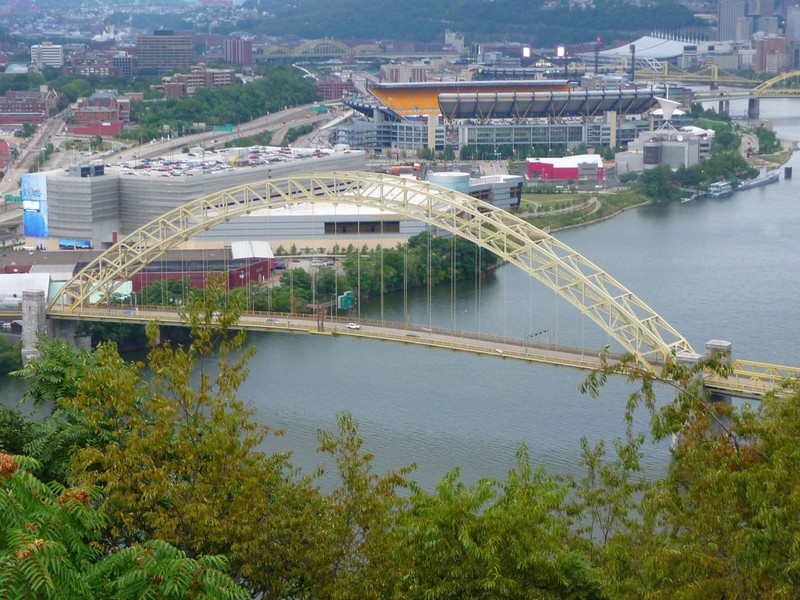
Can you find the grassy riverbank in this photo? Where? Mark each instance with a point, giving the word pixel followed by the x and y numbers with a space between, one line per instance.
pixel 586 209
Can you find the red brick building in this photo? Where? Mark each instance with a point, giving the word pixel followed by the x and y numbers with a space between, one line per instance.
pixel 180 85
pixel 5 155
pixel 28 106
pixel 334 89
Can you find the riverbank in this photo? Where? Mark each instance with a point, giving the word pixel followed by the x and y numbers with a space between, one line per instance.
pixel 610 204
pixel 600 208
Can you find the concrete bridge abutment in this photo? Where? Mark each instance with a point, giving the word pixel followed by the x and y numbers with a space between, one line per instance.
pixel 726 348
pixel 689 359
pixel 753 109
pixel 34 322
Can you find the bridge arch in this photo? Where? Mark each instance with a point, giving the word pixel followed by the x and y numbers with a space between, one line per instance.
pixel 625 317
pixel 771 86
pixel 369 49
pixel 278 51
pixel 323 47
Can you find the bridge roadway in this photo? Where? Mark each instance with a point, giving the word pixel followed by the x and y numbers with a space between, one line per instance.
pixel 748 379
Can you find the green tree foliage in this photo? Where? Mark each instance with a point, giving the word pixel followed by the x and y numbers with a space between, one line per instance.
pixel 51 547
pixel 767 140
pixel 661 183
pixel 721 524
pixel 278 88
pixel 15 432
pixel 263 138
pixel 52 377
pixel 168 292
pixel 391 269
pixel 490 540
pixel 294 133
pixel 481 21
pixel 657 183
pixel 10 355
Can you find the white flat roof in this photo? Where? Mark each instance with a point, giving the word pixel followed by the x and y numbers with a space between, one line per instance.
pixel 566 162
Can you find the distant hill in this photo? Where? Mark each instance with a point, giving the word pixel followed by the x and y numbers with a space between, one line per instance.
pixel 480 20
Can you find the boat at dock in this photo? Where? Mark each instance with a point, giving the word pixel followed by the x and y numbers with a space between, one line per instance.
pixel 764 177
pixel 719 189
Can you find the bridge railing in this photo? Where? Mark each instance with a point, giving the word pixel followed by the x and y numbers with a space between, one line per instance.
pixel 752 378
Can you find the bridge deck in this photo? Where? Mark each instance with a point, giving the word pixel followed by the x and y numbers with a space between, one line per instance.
pixel 749 379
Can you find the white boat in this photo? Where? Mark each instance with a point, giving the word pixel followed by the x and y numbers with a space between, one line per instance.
pixel 719 189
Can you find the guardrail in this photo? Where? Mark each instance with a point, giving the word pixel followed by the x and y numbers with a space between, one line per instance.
pixel 748 378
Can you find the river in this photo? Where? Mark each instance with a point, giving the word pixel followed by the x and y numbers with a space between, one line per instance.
pixel 715 269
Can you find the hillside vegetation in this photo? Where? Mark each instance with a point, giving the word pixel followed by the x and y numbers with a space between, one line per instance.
pixel 480 20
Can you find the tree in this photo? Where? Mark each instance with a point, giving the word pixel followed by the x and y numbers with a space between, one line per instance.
pixel 657 183
pixel 51 547
pixel 722 523
pixel 495 540
pixel 362 528
pixel 10 356
pixel 176 454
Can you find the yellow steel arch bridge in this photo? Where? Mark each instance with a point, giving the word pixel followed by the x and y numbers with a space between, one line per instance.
pixel 713 74
pixel 322 47
pixel 621 314
pixel 786 84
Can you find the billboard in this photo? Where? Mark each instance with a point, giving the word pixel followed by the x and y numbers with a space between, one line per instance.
pixel 34 204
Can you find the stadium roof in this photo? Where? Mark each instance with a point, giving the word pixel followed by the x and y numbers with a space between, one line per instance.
pixel 552 104
pixel 420 99
pixel 651 47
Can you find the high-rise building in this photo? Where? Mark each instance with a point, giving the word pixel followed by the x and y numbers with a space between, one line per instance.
pixel 727 14
pixel 768 25
pixel 48 54
pixel 744 29
pixel 122 65
pixel 793 22
pixel 770 53
pixel 164 50
pixel 238 51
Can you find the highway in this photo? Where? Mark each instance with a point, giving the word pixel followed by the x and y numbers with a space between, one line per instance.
pixel 278 123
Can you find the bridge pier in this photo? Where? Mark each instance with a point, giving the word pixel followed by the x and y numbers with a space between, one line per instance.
pixel 34 322
pixel 724 106
pixel 753 109
pixel 690 358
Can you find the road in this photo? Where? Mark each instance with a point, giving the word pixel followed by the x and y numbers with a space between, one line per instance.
pixel 43 135
pixel 278 123
pixel 406 333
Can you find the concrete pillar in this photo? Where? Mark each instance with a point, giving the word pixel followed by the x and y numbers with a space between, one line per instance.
pixel 753 109
pixel 68 332
pixel 691 358
pixel 716 346
pixel 34 322
pixel 433 121
pixel 687 359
